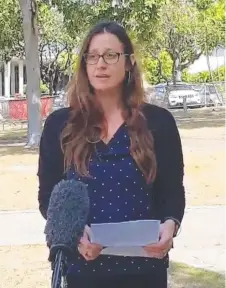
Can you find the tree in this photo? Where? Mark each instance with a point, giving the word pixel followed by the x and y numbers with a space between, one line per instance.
pixel 54 42
pixel 30 30
pixel 180 32
pixel 158 70
pixel 211 15
pixel 137 16
pixel 177 34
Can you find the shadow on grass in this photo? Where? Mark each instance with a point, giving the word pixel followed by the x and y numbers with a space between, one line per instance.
pixel 183 276
pixel 16 150
pixel 200 118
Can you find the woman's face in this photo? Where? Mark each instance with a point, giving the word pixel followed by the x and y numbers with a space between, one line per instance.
pixel 105 76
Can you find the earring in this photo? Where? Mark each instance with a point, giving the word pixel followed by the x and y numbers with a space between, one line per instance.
pixel 129 78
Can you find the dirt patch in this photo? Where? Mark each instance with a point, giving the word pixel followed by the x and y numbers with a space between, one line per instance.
pixel 24 267
pixel 18 178
pixel 204 154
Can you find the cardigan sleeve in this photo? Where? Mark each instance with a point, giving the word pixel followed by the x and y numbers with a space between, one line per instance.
pixel 168 186
pixel 50 165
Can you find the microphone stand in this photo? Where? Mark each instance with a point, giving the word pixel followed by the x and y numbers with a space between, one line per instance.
pixel 59 268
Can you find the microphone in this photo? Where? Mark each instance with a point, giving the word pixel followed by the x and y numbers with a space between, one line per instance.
pixel 67 216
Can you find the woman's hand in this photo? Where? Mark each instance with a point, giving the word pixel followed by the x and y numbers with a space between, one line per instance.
pixel 160 249
pixel 89 251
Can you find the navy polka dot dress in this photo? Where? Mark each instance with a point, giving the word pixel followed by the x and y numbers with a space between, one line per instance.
pixel 118 192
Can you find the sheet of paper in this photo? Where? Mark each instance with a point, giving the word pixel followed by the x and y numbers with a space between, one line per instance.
pixel 125 238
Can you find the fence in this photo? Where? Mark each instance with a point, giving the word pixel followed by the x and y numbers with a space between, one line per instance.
pixel 186 95
pixel 13 111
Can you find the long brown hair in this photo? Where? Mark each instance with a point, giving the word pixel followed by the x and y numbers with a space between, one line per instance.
pixel 87 120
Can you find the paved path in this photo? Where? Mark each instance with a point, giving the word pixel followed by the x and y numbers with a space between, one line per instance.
pixel 200 243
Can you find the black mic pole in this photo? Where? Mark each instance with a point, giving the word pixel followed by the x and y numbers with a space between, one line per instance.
pixel 59 258
pixel 59 271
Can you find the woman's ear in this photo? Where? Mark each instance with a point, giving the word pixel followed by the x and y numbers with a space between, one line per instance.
pixel 132 59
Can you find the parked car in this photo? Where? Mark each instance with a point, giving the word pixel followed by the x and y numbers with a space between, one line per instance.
pixel 211 95
pixel 173 95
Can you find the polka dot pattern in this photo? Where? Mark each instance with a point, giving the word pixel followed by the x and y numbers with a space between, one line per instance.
pixel 118 192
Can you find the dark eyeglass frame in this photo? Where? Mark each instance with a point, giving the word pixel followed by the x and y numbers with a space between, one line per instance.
pixel 102 56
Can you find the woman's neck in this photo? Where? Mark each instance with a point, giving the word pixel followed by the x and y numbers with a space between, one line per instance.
pixel 111 103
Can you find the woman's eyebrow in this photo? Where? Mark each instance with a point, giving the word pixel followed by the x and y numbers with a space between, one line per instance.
pixel 96 51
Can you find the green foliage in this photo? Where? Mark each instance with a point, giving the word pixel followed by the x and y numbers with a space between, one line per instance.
pixel 63 60
pixel 77 16
pixel 51 27
pixel 11 39
pixel 218 75
pixel 203 4
pixel 212 24
pixel 44 88
pixel 157 71
pixel 55 42
pixel 183 33
pixel 137 16
pixel 200 77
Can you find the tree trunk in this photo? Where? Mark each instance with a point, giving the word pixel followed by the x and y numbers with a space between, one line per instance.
pixel 29 12
pixel 51 86
pixel 177 74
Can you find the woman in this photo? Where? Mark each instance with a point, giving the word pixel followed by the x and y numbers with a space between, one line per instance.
pixel 128 152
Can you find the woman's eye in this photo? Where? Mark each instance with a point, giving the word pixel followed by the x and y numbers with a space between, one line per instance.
pixel 91 56
pixel 111 55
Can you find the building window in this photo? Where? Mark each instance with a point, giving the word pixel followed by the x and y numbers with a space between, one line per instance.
pixel 25 75
pixel 2 71
pixel 16 79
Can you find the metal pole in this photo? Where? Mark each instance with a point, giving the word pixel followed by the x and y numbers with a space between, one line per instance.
pixel 59 271
pixel 185 104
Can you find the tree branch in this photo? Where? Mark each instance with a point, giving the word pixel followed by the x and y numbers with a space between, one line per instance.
pixel 191 61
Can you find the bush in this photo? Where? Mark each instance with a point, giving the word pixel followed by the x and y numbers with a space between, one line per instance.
pixel 44 88
pixel 204 76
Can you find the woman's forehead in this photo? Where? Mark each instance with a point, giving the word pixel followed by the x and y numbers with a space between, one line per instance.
pixel 104 42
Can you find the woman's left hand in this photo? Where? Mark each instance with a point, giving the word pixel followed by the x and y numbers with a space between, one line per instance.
pixel 88 250
pixel 160 249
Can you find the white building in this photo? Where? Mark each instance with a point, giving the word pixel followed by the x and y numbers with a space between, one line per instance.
pixel 12 77
pixel 216 59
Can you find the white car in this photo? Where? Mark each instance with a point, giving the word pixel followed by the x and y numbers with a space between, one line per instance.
pixel 174 95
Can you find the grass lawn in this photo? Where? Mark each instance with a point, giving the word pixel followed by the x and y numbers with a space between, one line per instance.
pixel 27 267
pixel 13 134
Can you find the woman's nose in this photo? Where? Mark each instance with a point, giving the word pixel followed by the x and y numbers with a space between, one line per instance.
pixel 101 62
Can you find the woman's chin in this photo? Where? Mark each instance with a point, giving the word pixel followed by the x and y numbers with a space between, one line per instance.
pixel 103 88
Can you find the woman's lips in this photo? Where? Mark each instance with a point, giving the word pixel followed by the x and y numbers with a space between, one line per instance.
pixel 102 76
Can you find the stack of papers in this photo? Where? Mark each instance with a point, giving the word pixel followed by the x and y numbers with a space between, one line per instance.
pixel 125 238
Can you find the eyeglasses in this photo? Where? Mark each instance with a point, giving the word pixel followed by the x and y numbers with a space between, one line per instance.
pixel 109 57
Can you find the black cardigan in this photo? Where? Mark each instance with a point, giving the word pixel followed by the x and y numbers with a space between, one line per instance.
pixel 167 197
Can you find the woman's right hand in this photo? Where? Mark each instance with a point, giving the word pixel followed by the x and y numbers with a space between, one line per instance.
pixel 88 250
